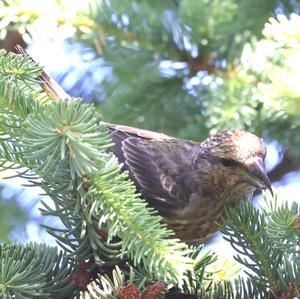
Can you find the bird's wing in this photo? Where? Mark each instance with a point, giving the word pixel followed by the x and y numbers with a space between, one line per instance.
pixel 146 134
pixel 155 162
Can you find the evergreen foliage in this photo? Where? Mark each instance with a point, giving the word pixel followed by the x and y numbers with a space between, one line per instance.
pixel 188 68
pixel 34 271
pixel 265 242
pixel 63 146
pixel 107 224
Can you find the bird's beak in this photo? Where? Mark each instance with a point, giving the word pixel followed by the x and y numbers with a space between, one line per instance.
pixel 257 174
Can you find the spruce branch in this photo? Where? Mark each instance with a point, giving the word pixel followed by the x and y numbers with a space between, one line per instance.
pixel 65 133
pixel 108 287
pixel 20 94
pixel 123 285
pixel 66 144
pixel 199 277
pixel 245 230
pixel 144 239
pixel 34 271
pixel 266 243
pixel 245 288
pixel 125 214
pixel 19 87
pixel 22 71
pixel 282 224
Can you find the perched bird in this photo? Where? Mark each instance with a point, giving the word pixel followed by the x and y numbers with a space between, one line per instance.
pixel 191 183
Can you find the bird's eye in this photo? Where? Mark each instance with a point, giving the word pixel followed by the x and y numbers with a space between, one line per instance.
pixel 228 162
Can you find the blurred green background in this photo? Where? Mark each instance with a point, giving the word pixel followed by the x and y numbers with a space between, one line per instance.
pixel 188 68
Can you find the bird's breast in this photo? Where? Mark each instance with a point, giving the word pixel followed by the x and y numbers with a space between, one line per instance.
pixel 200 218
pixel 196 221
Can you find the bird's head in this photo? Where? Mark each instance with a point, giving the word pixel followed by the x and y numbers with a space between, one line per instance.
pixel 236 158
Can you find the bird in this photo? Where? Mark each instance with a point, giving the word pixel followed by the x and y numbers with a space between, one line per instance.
pixel 189 183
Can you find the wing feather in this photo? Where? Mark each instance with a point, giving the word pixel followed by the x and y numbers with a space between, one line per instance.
pixel 145 134
pixel 154 162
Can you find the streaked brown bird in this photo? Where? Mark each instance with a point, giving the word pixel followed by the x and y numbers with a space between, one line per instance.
pixel 191 183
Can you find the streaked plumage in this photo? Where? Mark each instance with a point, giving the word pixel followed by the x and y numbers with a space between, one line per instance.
pixel 190 183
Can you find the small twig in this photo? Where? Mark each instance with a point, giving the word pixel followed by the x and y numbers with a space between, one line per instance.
pixel 49 85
